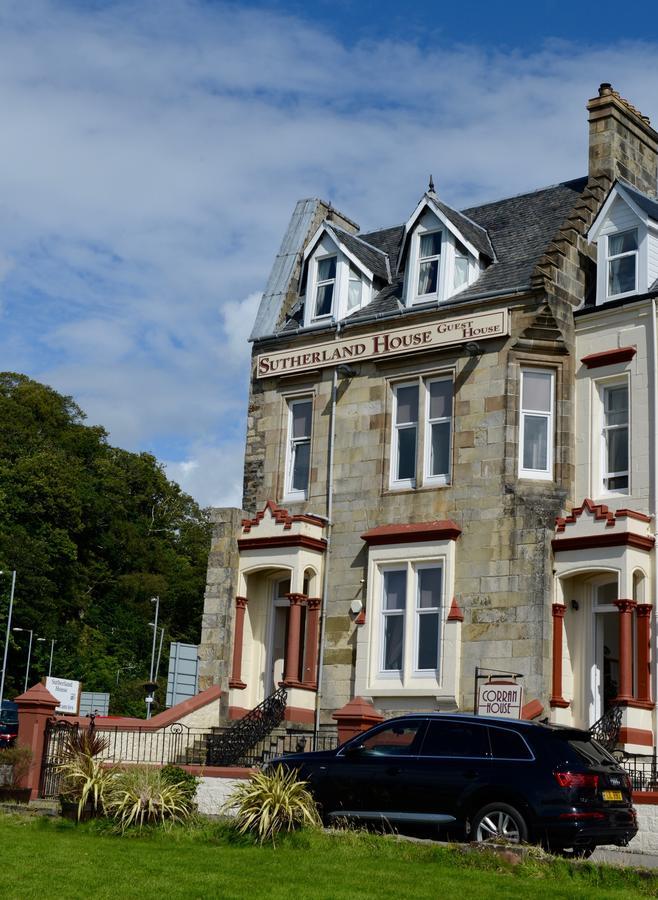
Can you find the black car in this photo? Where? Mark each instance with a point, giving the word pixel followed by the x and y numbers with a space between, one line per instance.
pixel 480 778
pixel 8 724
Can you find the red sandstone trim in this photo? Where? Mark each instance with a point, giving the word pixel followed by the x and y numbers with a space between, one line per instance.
pixel 559 703
pixel 236 685
pixel 296 714
pixel 299 685
pixel 237 712
pixel 161 720
pixel 455 614
pixel 441 529
pixel 600 512
pixel 591 542
pixel 643 613
pixel 219 771
pixel 634 703
pixel 645 798
pixel 609 357
pixel 361 618
pixel 532 710
pixel 640 736
pixel 282 517
pixel 291 540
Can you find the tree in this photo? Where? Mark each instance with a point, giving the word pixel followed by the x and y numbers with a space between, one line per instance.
pixel 94 532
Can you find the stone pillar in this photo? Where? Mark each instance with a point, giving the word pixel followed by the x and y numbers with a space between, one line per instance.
pixel 356 716
pixel 643 612
pixel 35 707
pixel 625 608
pixel 215 649
pixel 314 605
pixel 291 671
pixel 235 681
pixel 557 700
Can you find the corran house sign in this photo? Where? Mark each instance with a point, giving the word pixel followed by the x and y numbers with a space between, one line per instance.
pixel 496 698
pixel 476 327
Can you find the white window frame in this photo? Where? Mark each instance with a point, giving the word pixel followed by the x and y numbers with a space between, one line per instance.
pixel 291 445
pixel 403 483
pixel 319 283
pixel 439 257
pixel 537 474
pixel 410 672
pixel 609 257
pixel 442 478
pixel 423 426
pixel 602 386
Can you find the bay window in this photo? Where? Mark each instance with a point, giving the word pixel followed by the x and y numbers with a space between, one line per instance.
pixel 536 424
pixel 411 605
pixel 298 458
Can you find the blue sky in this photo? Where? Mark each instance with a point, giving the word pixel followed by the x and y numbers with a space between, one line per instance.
pixel 152 153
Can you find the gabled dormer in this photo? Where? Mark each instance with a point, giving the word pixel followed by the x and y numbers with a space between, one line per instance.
pixel 442 252
pixel 338 274
pixel 626 236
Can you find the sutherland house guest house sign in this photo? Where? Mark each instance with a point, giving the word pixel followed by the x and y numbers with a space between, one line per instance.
pixel 476 327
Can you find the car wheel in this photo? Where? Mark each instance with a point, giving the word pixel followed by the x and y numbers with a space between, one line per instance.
pixel 499 822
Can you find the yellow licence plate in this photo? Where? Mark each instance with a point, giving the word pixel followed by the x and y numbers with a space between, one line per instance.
pixel 613 795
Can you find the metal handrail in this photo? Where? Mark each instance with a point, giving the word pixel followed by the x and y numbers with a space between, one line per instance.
pixel 227 749
pixel 606 729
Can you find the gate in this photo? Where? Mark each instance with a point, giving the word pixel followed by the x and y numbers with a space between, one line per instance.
pixel 57 732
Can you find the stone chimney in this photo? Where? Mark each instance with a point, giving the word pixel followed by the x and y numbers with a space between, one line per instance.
pixel 622 142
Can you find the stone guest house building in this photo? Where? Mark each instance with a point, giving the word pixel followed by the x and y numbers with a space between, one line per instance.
pixel 451 455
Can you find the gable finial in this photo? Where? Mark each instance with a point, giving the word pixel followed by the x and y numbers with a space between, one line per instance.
pixel 430 189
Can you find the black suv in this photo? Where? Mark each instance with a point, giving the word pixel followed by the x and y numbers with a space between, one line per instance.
pixel 479 777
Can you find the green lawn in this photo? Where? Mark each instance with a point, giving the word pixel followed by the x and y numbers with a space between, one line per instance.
pixel 45 858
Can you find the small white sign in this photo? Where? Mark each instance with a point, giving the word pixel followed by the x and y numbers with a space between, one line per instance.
pixel 503 699
pixel 67 692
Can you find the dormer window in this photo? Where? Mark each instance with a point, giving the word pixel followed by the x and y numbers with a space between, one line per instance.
pixel 326 281
pixel 622 263
pixel 429 258
pixel 461 266
pixel 354 290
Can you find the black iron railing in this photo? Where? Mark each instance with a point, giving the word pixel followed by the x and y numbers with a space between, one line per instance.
pixel 606 729
pixel 642 771
pixel 231 748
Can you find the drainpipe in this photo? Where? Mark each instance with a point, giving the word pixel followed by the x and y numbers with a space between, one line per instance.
pixel 330 507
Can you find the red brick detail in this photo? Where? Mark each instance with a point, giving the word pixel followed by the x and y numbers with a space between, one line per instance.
pixel 557 700
pixel 590 542
pixel 284 540
pixel 35 707
pixel 600 512
pixel 296 714
pixel 282 517
pixel 645 798
pixel 609 357
pixel 455 614
pixel 356 716
pixel 532 710
pixel 625 608
pixel 641 736
pixel 361 618
pixel 438 530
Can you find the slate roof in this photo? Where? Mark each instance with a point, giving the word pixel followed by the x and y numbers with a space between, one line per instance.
pixel 372 257
pixel 517 230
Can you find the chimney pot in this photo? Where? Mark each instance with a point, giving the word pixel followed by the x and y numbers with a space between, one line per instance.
pixel 605 88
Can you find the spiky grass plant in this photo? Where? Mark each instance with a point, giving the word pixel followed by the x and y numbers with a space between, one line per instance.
pixel 141 795
pixel 272 801
pixel 86 777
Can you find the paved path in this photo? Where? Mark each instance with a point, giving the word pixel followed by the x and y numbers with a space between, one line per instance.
pixel 625 858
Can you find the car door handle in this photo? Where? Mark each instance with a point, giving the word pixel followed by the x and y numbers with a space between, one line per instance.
pixel 393 770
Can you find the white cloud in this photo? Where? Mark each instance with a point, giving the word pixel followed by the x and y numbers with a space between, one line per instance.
pixel 152 154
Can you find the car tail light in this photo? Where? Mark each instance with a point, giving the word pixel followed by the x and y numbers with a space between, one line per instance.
pixel 582 815
pixel 577 780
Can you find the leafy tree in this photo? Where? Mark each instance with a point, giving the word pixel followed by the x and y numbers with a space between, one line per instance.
pixel 94 532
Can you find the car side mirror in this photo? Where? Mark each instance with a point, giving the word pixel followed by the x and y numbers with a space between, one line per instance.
pixel 355 750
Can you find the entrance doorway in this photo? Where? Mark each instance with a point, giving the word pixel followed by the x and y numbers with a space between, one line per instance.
pixel 605 668
pixel 279 632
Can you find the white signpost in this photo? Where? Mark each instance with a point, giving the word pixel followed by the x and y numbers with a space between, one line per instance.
pixel 67 692
pixel 503 699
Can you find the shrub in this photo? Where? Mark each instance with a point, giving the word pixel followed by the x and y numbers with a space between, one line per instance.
pixel 19 758
pixel 86 778
pixel 141 795
pixel 187 782
pixel 272 801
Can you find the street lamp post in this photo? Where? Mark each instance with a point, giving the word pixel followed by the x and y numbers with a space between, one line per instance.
pixel 52 650
pixel 4 659
pixel 149 698
pixel 29 653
